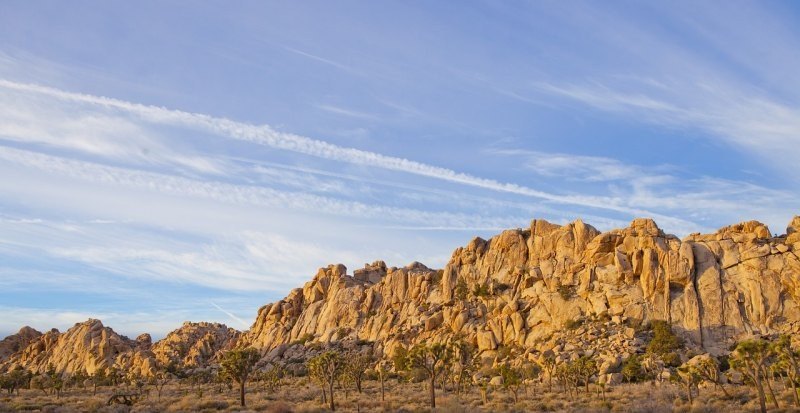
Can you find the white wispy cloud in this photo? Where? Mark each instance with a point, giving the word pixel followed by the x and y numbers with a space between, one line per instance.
pixel 266 135
pixel 47 122
pixel 347 112
pixel 571 166
pixel 230 193
pixel 320 59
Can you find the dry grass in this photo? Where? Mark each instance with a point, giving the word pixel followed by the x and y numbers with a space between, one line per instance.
pixel 300 396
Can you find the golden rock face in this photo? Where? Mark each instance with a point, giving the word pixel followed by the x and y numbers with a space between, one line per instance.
pixel 523 285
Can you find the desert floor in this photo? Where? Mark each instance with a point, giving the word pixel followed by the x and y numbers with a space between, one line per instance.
pixel 299 395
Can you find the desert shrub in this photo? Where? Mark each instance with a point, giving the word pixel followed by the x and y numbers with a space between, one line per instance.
pixel 342 332
pixel 566 291
pixel 573 324
pixel 500 287
pixel 632 369
pixel 279 407
pixel 664 339
pixel 400 359
pixel 213 405
pixel 665 343
pixel 480 290
pixel 305 338
pixel 461 289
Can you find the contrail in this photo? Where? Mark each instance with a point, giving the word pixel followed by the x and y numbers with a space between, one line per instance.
pixel 231 315
pixel 265 135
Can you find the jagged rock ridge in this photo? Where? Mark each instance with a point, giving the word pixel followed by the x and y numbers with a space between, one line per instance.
pixel 521 286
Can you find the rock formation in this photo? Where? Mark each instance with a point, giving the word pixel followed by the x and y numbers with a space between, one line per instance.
pixel 547 288
pixel 16 342
pixel 89 347
pixel 523 285
pixel 194 345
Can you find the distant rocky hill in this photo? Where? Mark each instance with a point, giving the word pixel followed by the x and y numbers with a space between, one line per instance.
pixel 194 345
pixel 89 347
pixel 543 288
pixel 17 342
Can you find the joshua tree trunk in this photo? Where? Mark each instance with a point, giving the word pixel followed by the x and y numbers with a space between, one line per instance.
pixel 771 392
pixel 382 389
pixel 330 390
pixel 241 393
pixel 689 393
pixel 760 389
pixel 433 391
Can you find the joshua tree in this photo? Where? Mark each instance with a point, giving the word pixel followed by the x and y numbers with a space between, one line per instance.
pixel 483 385
pixel 584 368
pixel 564 373
pixel 750 358
pixel 39 383
pixel 99 378
pixel 512 379
pixel 548 364
pixel 689 377
pixel 433 359
pixel 14 380
pixel 357 365
pixel 708 369
pixel 238 365
pixel 159 380
pixel 530 372
pixel 271 378
pixel 466 361
pixel 789 361
pixel 326 369
pixel 382 369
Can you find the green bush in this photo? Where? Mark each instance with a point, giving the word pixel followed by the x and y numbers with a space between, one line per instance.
pixel 461 289
pixel 566 291
pixel 480 290
pixel 305 338
pixel 573 324
pixel 500 287
pixel 632 370
pixel 664 339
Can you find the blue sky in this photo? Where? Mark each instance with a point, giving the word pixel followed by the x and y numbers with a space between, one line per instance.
pixel 171 160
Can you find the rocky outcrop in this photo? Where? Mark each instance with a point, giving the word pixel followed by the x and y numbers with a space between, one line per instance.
pixel 16 342
pixel 89 347
pixel 194 345
pixel 86 347
pixel 520 287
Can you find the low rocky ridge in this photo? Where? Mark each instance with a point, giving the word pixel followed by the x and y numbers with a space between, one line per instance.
pixel 547 289
pixel 89 347
pixel 194 345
